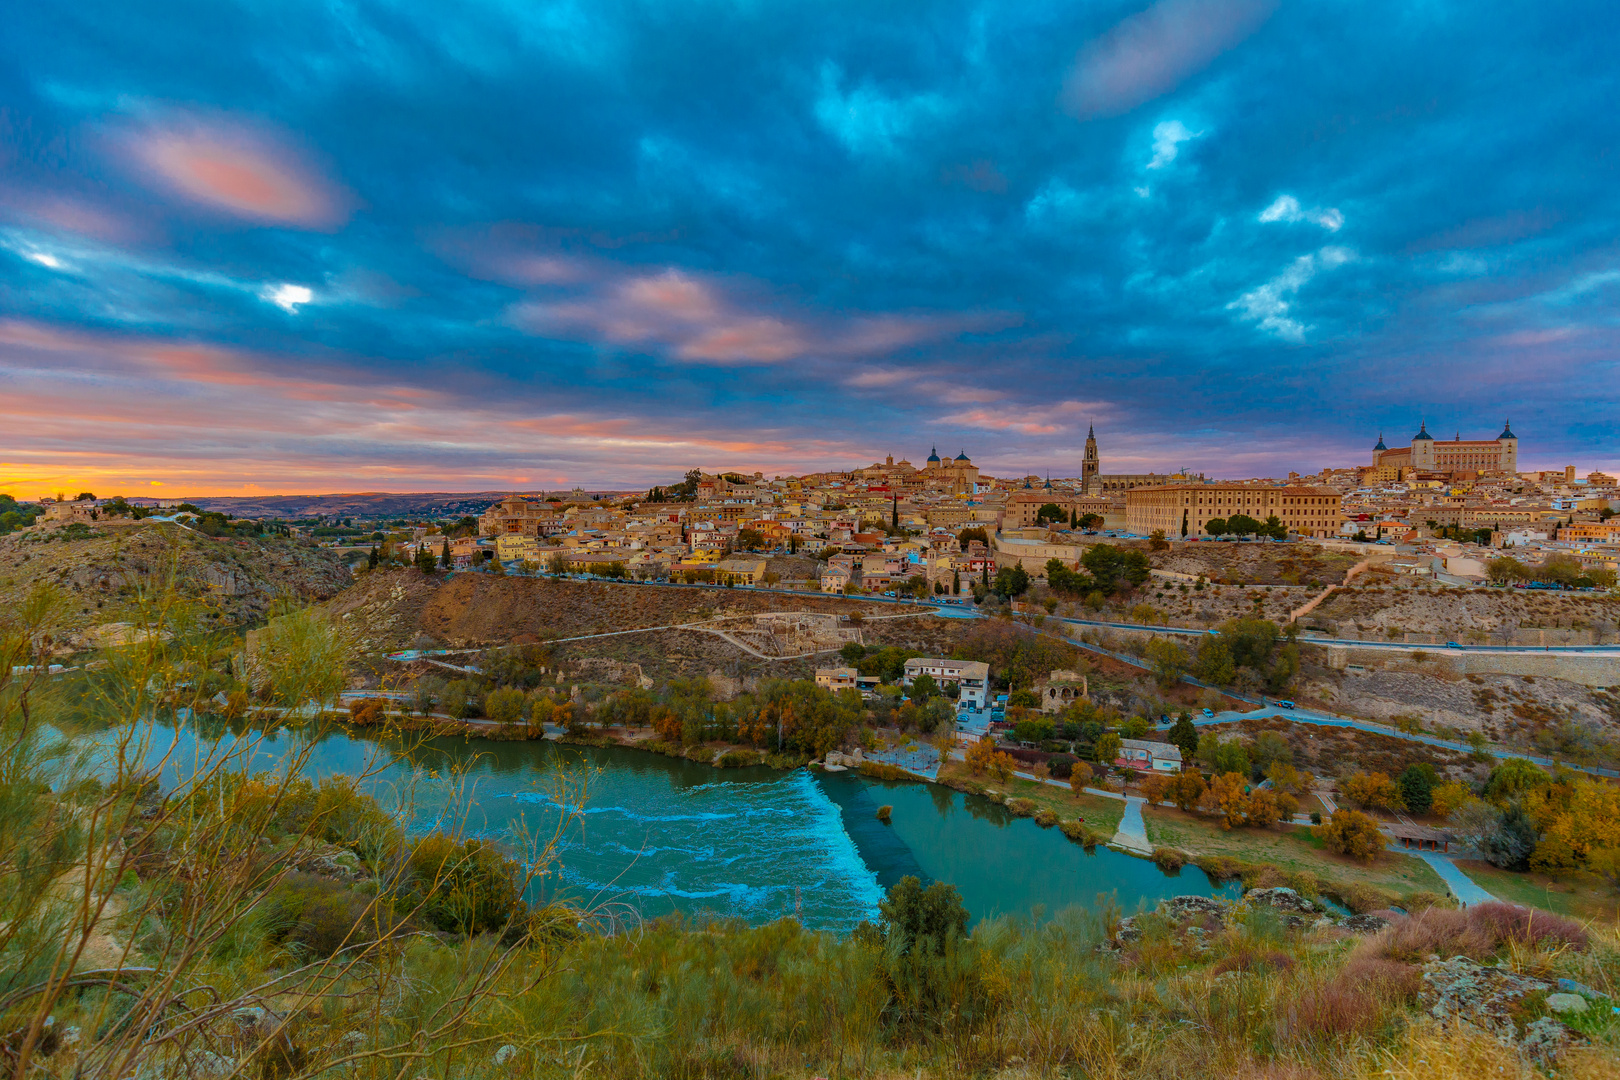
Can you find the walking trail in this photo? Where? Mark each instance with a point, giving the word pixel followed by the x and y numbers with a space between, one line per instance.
pixel 1132 832
pixel 1461 885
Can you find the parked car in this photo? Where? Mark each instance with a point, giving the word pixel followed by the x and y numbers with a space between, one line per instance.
pixel 1209 712
pixel 1452 645
pixel 1285 704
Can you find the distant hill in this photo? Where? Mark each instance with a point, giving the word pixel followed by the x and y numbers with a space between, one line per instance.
pixel 102 565
pixel 372 504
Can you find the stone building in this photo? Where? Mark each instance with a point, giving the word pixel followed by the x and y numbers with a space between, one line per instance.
pixel 1428 454
pixel 1184 509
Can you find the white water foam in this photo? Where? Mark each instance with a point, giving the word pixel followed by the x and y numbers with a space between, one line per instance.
pixel 757 850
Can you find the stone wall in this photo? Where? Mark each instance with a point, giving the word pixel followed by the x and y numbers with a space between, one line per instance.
pixel 1588 669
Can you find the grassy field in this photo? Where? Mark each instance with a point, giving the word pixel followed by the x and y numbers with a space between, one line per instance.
pixel 1101 815
pixel 1290 849
pixel 1581 896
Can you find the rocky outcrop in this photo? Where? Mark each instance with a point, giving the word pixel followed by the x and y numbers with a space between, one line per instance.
pixel 1497 1001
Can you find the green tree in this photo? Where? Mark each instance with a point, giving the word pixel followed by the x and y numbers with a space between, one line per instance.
pixel 1215 526
pixel 1110 565
pixel 444 554
pixel 924 687
pixel 1168 660
pixel 1505 568
pixel 1157 542
pixel 1512 779
pixel 373 559
pixel 1185 736
pixel 1050 512
pixel 1417 782
pixel 1106 748
pixel 750 540
pixel 424 559
pixel 1242 525
pixel 505 705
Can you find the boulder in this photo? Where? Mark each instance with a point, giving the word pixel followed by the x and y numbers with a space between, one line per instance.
pixel 1566 1003
pixel 1182 908
pixel 1281 898
pixel 1364 924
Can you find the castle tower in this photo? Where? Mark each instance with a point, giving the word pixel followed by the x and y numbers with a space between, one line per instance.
pixel 1510 448
pixel 1090 467
pixel 1423 448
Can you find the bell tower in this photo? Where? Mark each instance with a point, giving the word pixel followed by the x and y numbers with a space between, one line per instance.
pixel 1091 467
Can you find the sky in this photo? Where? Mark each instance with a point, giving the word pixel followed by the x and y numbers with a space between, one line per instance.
pixel 297 247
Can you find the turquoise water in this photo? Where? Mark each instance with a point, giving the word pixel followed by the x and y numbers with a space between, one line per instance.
pixel 654 835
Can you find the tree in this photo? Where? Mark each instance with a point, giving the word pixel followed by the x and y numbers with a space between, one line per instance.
pixel 1512 779
pixel 1417 782
pixel 1168 659
pixel 924 687
pixel 750 540
pixel 1227 798
pixel 83 495
pixel 1514 839
pixel 956 583
pixel 1243 525
pixel 967 536
pixel 1156 787
pixel 424 559
pixel 1059 578
pixel 444 554
pixel 1011 581
pixel 1184 524
pixel 505 705
pixel 1505 568
pixel 1185 736
pixel 1157 542
pixel 1091 521
pixel 1373 789
pixel 1079 776
pixel 1106 749
pixel 1050 512
pixel 1223 755
pixel 1352 833
pixel 1189 789
pixel 1265 808
pixel 1135 727
pixel 1109 565
pixel 1446 798
pixel 1215 526
pixel 1275 529
pixel 373 559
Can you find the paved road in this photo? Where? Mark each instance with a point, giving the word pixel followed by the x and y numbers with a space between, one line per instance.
pixel 1461 885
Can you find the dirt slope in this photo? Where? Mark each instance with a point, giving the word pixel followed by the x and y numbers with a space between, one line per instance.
pixel 404 608
pixel 102 567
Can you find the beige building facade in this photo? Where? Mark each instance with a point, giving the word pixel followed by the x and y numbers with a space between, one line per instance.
pixel 1303 510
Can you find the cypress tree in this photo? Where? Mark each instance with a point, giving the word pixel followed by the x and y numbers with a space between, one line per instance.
pixel 373 559
pixel 444 554
pixel 956 583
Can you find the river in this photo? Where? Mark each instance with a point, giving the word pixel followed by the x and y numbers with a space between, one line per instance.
pixel 657 835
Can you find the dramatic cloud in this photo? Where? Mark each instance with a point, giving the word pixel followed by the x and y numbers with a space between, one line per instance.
pixel 236 168
pixel 360 246
pixel 1151 53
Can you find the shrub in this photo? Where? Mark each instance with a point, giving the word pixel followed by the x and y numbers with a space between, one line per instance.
pixel 1046 817
pixel 1479 932
pixel 1077 831
pixel 364 712
pixel 1354 1001
pixel 317 914
pixel 1352 833
pixel 1361 898
pixel 465 886
pixel 1169 859
pixel 1022 807
pixel 1079 776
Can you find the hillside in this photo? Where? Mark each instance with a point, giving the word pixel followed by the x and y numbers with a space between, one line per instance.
pixel 238 579
pixel 1395 608
pixel 405 609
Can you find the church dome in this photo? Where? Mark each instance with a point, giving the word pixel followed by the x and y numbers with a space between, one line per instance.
pixel 962 456
pixel 1507 430
pixel 933 456
pixel 1380 445
pixel 1423 433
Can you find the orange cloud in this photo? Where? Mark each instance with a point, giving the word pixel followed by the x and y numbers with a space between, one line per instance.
pixel 236 169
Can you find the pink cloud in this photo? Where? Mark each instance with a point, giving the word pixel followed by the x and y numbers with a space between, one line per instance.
pixel 238 169
pixel 1152 52
pixel 1029 419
